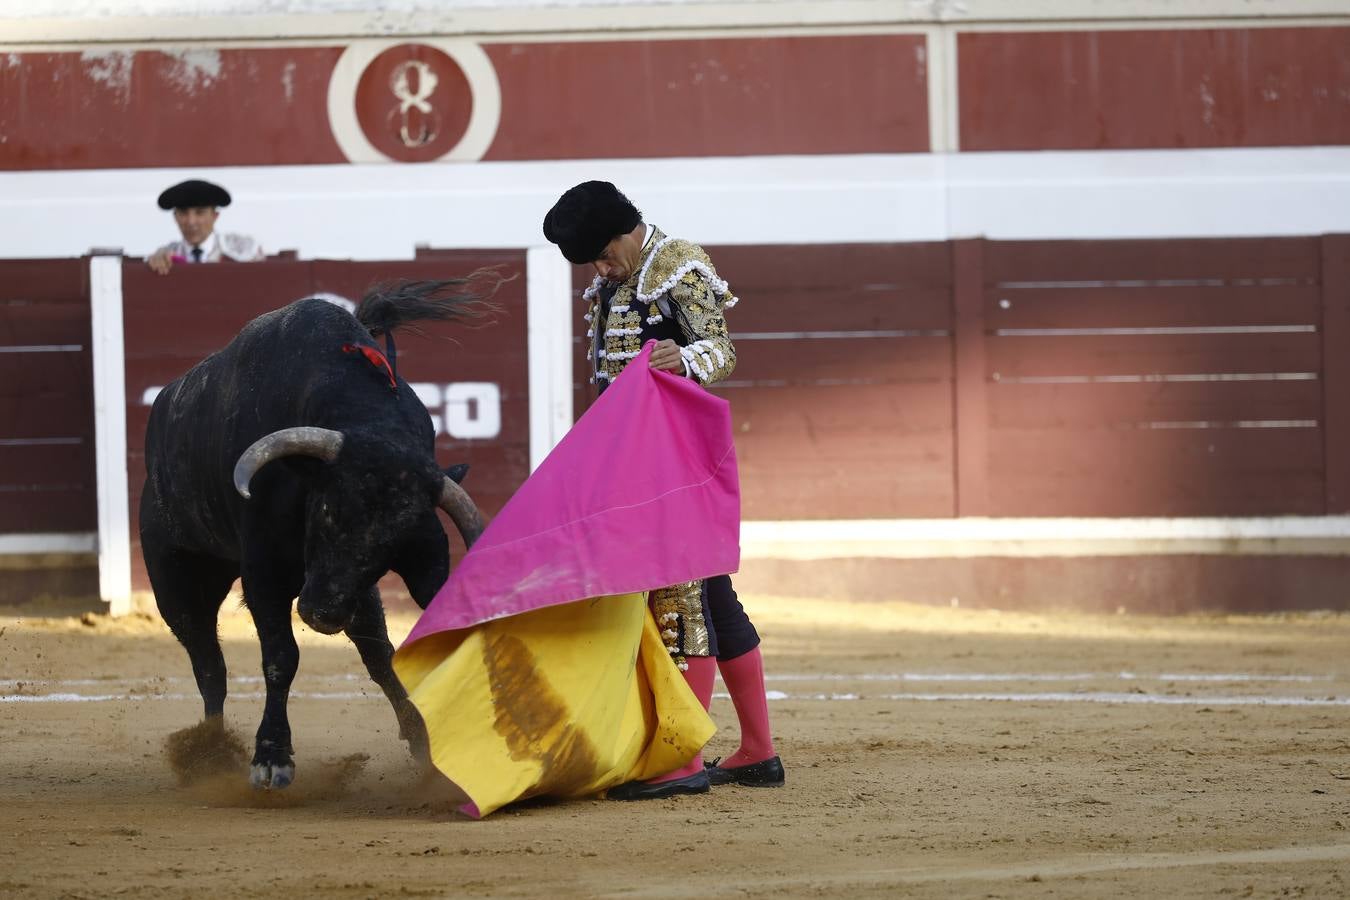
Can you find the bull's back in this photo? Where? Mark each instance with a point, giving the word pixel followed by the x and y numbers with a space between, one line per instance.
pixel 200 423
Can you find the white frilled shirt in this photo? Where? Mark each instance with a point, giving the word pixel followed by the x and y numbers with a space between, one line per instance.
pixel 218 246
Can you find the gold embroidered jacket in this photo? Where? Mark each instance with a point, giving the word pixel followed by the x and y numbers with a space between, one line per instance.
pixel 675 279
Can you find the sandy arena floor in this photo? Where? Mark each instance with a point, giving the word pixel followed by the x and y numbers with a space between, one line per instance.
pixel 930 753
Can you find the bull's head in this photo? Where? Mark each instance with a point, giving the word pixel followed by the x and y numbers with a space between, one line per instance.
pixel 372 512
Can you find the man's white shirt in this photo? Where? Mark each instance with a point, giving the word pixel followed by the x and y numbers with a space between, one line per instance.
pixel 218 246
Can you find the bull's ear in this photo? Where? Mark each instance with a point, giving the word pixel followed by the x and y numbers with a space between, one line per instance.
pixel 456 473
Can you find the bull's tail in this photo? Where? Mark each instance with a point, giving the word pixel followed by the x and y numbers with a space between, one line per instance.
pixel 391 305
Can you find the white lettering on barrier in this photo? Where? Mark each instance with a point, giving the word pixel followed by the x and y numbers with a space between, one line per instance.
pixel 473 409
pixel 461 409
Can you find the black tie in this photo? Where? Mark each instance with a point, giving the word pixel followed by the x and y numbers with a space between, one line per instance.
pixel 196 254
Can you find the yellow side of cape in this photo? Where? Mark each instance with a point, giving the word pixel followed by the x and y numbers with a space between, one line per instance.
pixel 564 701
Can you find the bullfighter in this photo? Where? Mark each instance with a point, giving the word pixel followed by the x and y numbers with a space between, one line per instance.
pixel 653 287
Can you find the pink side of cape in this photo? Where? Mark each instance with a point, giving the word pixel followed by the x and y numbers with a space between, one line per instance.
pixel 642 493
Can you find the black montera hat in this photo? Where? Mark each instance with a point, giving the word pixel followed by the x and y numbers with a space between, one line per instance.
pixel 194 193
pixel 588 217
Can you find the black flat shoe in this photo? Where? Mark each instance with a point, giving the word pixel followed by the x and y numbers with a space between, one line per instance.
pixel 767 773
pixel 697 783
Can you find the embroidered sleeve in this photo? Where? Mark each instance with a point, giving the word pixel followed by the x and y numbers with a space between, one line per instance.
pixel 708 355
pixel 240 248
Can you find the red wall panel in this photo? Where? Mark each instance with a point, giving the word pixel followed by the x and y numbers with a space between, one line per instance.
pixel 268 105
pixel 722 97
pixel 1085 90
pixel 1121 377
pixel 841 398
pixel 1177 378
pixel 46 397
pixel 207 107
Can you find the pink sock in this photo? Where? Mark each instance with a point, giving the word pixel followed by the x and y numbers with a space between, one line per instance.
pixel 744 678
pixel 700 675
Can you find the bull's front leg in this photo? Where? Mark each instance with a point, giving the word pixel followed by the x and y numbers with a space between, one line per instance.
pixel 371 637
pixel 273 765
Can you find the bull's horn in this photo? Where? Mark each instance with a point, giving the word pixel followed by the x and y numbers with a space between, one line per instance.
pixel 323 443
pixel 462 511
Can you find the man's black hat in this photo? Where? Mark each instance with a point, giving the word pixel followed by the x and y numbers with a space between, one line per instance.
pixel 194 193
pixel 588 217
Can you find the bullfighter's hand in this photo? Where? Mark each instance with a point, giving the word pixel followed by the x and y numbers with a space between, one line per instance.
pixel 161 262
pixel 666 357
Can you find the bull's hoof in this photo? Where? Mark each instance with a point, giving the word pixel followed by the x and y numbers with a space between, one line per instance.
pixel 411 729
pixel 419 747
pixel 271 776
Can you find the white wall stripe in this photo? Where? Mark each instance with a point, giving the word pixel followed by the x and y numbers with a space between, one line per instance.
pixel 1152 377
pixel 1239 423
pixel 1058 537
pixel 1167 329
pixel 965 538
pixel 1152 283
pixel 835 335
pixel 940 91
pixel 549 328
pixel 149 20
pixel 48 542
pixel 383 212
pixel 948 115
pixel 110 433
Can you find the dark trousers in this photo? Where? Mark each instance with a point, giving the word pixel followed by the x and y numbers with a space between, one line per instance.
pixel 730 631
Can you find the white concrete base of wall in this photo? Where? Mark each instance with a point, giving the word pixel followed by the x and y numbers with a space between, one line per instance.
pixel 383 211
pixel 979 537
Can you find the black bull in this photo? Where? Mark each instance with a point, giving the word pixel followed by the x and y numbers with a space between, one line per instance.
pixel 295 459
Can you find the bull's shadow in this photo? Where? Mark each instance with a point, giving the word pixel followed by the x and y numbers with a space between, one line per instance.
pixel 297 459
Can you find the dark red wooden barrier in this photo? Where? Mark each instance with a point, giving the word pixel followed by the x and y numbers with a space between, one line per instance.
pixel 1154 378
pixel 1097 378
pixel 46 398
pixel 1046 378
pixel 841 398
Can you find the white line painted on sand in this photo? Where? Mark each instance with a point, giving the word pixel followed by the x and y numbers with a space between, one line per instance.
pixel 1046 697
pixel 12 684
pixel 1078 697
pixel 136 698
pixel 166 679
pixel 1043 676
pixel 1072 866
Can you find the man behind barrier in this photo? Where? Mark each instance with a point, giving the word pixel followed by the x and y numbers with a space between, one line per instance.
pixel 196 206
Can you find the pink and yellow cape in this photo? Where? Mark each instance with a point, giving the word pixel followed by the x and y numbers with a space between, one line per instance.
pixel 537 668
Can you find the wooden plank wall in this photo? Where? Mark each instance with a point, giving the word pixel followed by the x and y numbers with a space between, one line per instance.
pixel 841 398
pixel 1094 378
pixel 1336 368
pixel 1154 378
pixel 171 322
pixel 1117 89
pixel 46 398
pixel 1044 378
